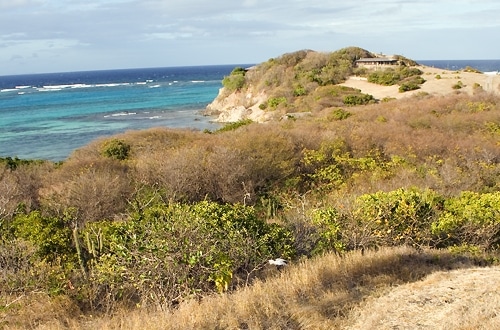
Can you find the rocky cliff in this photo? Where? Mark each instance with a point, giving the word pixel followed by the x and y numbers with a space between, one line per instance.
pixel 292 83
pixel 238 105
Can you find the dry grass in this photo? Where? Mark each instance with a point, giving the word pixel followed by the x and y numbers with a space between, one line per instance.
pixel 459 299
pixel 328 292
pixel 444 140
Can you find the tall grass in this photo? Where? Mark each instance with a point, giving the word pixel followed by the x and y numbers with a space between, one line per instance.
pixel 319 293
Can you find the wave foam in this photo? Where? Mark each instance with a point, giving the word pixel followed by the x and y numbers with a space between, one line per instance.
pixel 119 114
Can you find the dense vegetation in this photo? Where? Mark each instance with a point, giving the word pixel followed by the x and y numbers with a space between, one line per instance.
pixel 158 217
pixel 307 81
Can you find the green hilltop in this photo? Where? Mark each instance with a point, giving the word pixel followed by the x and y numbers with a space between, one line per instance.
pixel 308 81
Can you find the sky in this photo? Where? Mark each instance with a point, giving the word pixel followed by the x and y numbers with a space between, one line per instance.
pixel 38 36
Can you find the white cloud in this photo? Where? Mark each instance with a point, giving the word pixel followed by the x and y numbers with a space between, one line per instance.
pixel 227 31
pixel 13 4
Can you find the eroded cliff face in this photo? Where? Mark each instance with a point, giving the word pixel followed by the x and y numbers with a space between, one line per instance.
pixel 238 105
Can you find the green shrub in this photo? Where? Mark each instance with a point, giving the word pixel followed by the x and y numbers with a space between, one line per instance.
pixel 408 86
pixel 232 126
pixel 398 217
pixel 117 149
pixel 358 99
pixel 339 114
pixel 328 230
pixel 471 69
pixel 51 235
pixel 458 85
pixel 492 127
pixel 236 80
pixel 274 102
pixel 411 84
pixel 299 91
pixel 390 76
pixel 166 252
pixel 472 218
pixel 386 77
pixel 13 163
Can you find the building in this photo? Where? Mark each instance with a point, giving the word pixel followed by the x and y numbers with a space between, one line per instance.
pixel 376 62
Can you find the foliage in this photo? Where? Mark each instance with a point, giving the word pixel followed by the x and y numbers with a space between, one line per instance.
pixel 471 69
pixel 339 114
pixel 458 85
pixel 328 223
pixel 117 149
pixel 13 163
pixel 236 80
pixel 471 218
pixel 233 126
pixel 50 234
pixel 169 251
pixel 391 76
pixel 359 99
pixel 299 91
pixel 146 231
pixel 411 84
pixel 402 216
pixel 333 166
pixel 274 102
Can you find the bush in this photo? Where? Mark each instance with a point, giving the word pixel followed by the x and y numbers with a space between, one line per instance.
pixel 299 91
pixel 116 149
pixel 236 80
pixel 328 226
pixel 386 77
pixel 398 217
pixel 458 85
pixel 358 99
pixel 50 235
pixel 97 190
pixel 165 253
pixel 408 86
pixel 472 218
pixel 274 102
pixel 389 77
pixel 235 125
pixel 339 114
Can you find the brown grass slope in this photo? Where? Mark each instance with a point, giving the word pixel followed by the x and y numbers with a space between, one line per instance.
pixel 391 288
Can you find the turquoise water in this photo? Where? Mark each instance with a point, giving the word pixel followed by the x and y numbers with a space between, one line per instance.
pixel 48 116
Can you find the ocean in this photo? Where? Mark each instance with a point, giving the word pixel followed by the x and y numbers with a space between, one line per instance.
pixel 48 116
pixel 481 65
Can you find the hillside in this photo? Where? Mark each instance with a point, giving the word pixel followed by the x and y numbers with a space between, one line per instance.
pixel 370 198
pixel 307 81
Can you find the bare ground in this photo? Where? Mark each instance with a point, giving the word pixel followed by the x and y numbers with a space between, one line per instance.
pixel 459 299
pixel 433 85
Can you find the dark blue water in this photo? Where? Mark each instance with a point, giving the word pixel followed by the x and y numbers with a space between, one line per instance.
pixel 481 65
pixel 47 116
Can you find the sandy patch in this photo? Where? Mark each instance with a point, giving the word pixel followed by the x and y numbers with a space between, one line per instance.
pixel 459 299
pixel 433 85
